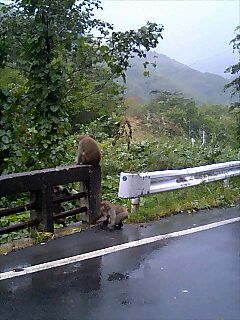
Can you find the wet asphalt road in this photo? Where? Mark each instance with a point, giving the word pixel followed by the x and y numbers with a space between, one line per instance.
pixel 191 277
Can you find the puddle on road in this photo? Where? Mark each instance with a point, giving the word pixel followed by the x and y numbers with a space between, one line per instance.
pixel 117 276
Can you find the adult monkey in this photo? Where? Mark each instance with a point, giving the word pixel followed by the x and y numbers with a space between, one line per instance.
pixel 88 151
pixel 112 215
pixel 88 154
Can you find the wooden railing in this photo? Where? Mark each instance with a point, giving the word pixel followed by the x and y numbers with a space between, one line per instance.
pixel 39 184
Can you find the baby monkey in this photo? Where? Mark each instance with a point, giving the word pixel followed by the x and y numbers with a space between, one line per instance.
pixel 88 151
pixel 58 193
pixel 113 212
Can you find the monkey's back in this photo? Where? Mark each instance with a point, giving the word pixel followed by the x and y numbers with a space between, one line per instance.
pixel 89 152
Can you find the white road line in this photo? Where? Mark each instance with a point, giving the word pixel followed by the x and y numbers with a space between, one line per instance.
pixel 102 252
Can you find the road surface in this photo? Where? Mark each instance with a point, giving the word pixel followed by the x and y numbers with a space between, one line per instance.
pixel 188 275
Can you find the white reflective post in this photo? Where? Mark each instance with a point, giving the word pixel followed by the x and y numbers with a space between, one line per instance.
pixel 135 202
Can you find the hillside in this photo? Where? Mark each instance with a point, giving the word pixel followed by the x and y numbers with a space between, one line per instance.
pixel 173 76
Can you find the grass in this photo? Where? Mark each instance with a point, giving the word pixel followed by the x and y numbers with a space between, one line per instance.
pixel 191 199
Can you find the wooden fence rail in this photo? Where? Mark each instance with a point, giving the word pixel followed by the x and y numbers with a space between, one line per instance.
pixel 40 183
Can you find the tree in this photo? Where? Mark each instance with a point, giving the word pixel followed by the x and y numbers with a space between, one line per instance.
pixel 234 85
pixel 57 46
pixel 174 114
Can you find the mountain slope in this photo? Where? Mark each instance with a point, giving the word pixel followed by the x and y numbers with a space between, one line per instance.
pixel 174 76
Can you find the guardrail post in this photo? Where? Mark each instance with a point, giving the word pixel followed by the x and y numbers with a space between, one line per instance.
pixel 94 193
pixel 135 202
pixel 226 183
pixel 44 209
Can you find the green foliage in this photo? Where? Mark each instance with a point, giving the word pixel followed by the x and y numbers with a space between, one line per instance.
pixel 101 99
pixel 10 76
pixel 103 127
pixel 11 202
pixel 234 85
pixel 187 200
pixel 173 114
pixel 42 236
pixel 61 63
pixel 156 154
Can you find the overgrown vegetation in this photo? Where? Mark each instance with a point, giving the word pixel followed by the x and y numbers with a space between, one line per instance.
pixel 58 66
pixel 187 200
pixel 65 62
pixel 234 85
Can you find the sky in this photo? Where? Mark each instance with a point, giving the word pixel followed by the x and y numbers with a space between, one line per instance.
pixel 196 32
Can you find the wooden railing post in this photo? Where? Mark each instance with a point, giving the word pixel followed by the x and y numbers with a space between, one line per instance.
pixel 94 193
pixel 44 209
pixel 84 202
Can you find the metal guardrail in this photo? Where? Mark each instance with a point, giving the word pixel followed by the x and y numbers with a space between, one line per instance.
pixel 134 185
